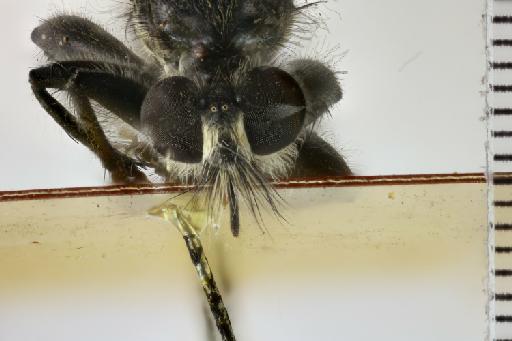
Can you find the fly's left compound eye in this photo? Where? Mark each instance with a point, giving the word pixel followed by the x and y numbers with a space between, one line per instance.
pixel 274 109
pixel 225 107
pixel 169 115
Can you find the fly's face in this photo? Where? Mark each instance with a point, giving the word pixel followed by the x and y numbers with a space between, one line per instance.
pixel 260 116
pixel 190 125
pixel 224 137
pixel 213 112
pixel 234 138
pixel 204 37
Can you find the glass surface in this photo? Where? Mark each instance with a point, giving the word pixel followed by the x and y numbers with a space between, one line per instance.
pixel 352 263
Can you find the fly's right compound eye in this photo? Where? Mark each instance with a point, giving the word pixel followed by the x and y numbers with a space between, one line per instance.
pixel 169 115
pixel 274 109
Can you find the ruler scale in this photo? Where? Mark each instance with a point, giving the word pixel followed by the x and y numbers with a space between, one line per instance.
pixel 499 52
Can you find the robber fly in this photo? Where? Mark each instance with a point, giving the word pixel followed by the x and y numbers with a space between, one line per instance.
pixel 204 103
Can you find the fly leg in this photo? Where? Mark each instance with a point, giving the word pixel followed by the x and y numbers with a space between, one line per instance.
pixel 80 82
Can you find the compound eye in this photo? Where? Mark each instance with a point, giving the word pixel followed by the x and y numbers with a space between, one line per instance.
pixel 225 107
pixel 274 109
pixel 214 108
pixel 170 117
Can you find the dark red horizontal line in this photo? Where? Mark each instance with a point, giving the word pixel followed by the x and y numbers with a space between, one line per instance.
pixel 351 181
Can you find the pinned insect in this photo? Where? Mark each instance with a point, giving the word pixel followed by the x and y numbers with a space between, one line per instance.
pixel 206 105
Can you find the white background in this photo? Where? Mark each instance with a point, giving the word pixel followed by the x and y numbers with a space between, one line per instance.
pixel 413 90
